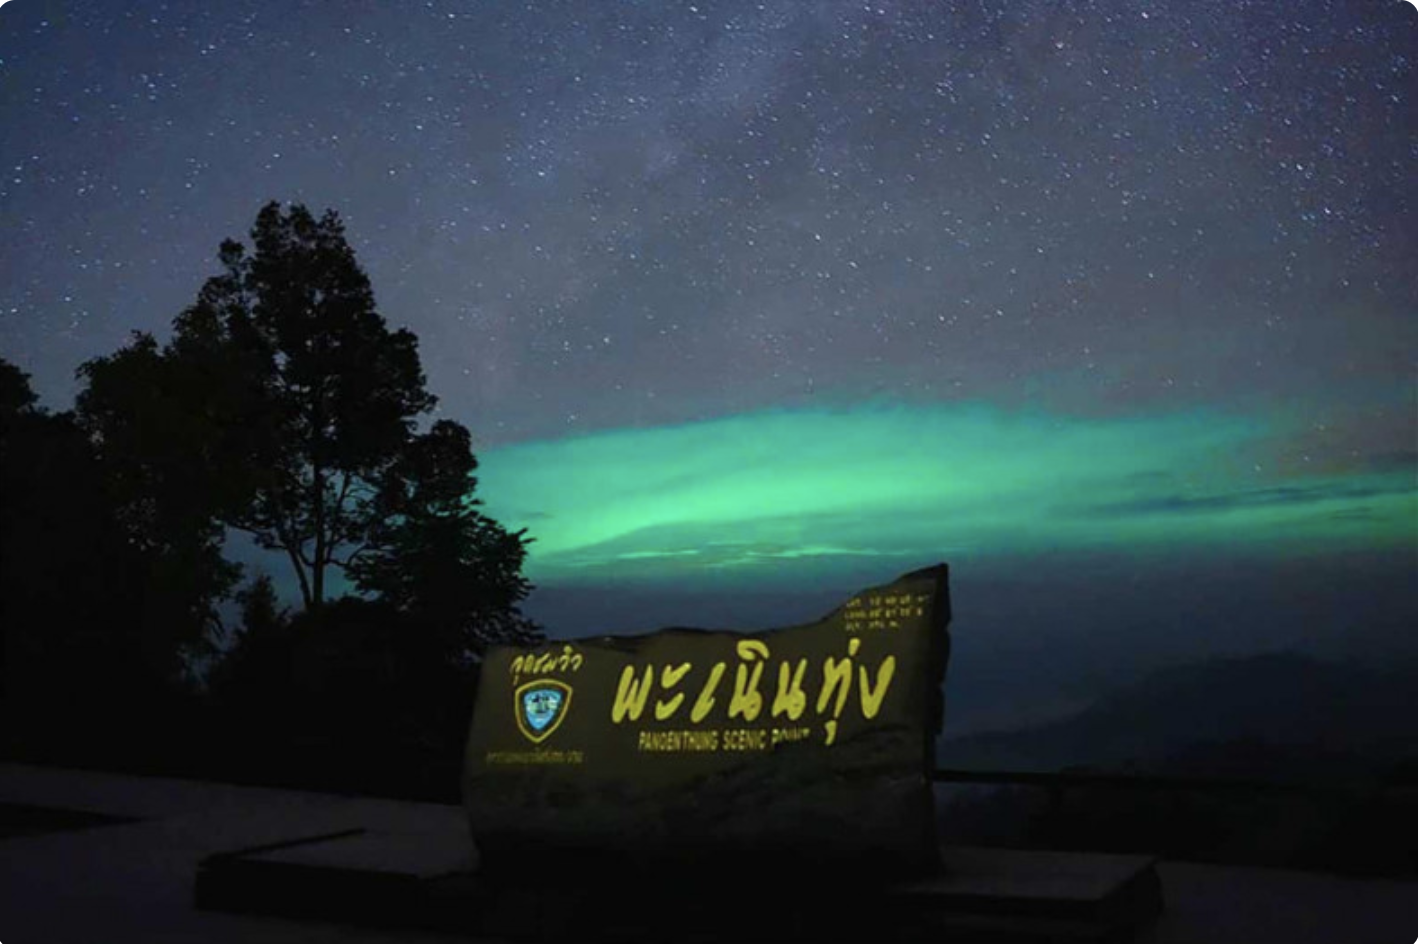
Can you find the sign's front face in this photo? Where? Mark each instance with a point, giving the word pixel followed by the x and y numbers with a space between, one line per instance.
pixel 814 739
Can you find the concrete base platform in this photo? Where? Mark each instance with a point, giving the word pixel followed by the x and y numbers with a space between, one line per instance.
pixel 429 882
pixel 117 856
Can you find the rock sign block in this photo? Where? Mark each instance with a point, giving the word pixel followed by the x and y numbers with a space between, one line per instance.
pixel 791 752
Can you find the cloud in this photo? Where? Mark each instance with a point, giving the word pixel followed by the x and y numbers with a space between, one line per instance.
pixel 1242 500
pixel 1399 460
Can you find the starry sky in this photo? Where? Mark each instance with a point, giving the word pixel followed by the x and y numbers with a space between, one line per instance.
pixel 1111 305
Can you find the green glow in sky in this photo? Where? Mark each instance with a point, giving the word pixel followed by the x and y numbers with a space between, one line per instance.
pixel 820 492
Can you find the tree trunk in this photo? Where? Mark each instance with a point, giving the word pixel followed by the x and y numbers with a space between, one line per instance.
pixel 317 566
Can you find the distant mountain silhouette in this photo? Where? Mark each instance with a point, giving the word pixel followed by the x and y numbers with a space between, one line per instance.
pixel 1273 715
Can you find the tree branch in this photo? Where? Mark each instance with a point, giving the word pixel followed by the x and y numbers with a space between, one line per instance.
pixel 349 558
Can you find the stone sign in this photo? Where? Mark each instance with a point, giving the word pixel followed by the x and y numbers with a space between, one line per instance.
pixel 809 747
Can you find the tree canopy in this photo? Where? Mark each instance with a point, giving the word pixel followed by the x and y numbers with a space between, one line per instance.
pixel 85 612
pixel 284 407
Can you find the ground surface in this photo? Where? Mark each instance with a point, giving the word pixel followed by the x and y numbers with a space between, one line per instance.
pixel 96 877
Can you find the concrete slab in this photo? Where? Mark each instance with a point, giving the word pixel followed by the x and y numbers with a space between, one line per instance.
pixel 135 881
pixel 422 855
pixel 403 880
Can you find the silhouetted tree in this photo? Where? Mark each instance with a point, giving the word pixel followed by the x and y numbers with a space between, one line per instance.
pixel 16 398
pixel 284 407
pixel 156 448
pixel 436 558
pixel 262 620
pixel 355 695
pixel 89 618
pixel 261 610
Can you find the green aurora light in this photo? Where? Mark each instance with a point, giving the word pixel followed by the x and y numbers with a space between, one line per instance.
pixel 753 496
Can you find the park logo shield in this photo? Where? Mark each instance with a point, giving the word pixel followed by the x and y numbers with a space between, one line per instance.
pixel 541 707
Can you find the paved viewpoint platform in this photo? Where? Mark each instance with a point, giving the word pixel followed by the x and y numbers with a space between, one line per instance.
pixel 88 856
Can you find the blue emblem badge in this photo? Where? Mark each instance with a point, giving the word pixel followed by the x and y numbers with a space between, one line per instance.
pixel 541 706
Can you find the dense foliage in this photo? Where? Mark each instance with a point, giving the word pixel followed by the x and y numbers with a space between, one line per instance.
pixel 284 407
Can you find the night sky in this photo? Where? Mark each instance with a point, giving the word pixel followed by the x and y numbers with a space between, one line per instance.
pixel 747 305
